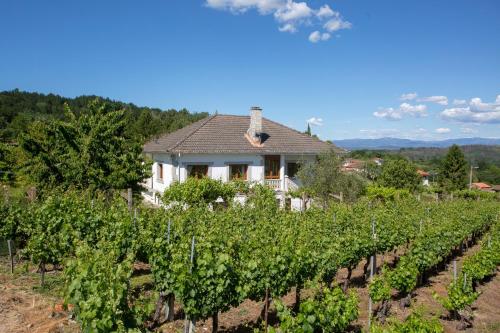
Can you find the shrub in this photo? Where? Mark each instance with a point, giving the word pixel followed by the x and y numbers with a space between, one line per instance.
pixel 97 286
pixel 195 192
pixel 386 194
pixel 329 311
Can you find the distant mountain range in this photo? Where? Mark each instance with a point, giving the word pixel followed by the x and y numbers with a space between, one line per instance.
pixel 395 143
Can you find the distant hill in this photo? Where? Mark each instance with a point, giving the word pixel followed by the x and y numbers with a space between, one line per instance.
pixel 395 143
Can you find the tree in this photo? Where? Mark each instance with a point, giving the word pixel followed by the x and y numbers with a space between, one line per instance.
pixel 88 151
pixel 6 163
pixel 399 174
pixel 19 109
pixel 308 131
pixel 324 178
pixel 453 170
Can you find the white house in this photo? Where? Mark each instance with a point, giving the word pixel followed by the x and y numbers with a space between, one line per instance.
pixel 227 147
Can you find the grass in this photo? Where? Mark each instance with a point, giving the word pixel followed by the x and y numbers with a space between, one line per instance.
pixel 26 278
pixel 144 281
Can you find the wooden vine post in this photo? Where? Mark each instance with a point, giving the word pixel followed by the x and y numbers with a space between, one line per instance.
pixel 11 256
pixel 373 266
pixel 42 274
pixel 169 308
pixel 266 310
pixel 190 324
pixel 129 199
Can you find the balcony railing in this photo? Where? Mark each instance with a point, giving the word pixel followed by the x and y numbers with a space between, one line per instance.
pixel 275 184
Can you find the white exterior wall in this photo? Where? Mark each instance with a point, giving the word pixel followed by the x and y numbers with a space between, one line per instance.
pixel 168 172
pixel 218 167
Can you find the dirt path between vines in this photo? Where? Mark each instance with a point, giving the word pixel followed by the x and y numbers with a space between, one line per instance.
pixel 245 317
pixel 486 308
pixel 23 309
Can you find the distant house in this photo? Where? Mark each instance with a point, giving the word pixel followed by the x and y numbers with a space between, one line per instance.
pixel 425 177
pixel 228 147
pixel 495 188
pixel 482 187
pixel 353 165
pixel 378 161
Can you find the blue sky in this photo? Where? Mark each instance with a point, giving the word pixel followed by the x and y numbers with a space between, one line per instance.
pixel 416 69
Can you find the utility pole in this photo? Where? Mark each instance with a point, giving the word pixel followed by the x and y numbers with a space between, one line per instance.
pixel 470 175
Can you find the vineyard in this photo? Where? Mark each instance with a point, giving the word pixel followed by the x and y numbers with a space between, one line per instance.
pixel 203 261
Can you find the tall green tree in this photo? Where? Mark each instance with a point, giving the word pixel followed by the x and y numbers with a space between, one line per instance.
pixel 399 174
pixel 324 178
pixel 308 130
pixel 91 150
pixel 453 170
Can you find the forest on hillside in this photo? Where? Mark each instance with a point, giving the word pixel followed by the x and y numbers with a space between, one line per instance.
pixel 18 109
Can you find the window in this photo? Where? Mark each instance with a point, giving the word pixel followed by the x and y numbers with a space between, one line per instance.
pixel 272 167
pixel 238 171
pixel 197 171
pixel 160 171
pixel 292 167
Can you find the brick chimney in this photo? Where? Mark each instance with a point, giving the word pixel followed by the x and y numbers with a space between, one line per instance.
pixel 255 129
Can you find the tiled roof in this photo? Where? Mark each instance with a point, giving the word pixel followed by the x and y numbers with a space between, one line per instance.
pixel 423 173
pixel 481 185
pixel 354 164
pixel 226 134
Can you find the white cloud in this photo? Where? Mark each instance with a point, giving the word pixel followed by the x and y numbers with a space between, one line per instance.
pixel 441 100
pixel 459 102
pixel 388 113
pixel 404 109
pixel 316 36
pixel 315 121
pixel 288 28
pixel 442 130
pixel 325 12
pixel 289 13
pixel 419 110
pixel 468 130
pixel 293 11
pixel 337 23
pixel 408 97
pixel 477 105
pixel 475 112
pixel 466 115
pixel 240 6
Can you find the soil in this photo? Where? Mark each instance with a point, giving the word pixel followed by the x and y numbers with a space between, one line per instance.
pixel 26 308
pixel 486 308
pixel 23 309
